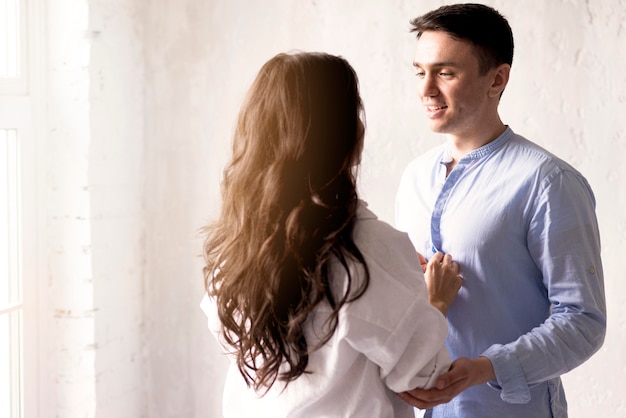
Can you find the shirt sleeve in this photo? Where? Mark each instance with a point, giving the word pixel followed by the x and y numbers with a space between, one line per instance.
pixel 564 242
pixel 406 198
pixel 209 308
pixel 393 324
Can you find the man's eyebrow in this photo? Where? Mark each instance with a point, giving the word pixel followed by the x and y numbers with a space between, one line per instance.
pixel 436 64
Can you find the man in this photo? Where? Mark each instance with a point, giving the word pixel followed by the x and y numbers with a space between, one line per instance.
pixel 519 221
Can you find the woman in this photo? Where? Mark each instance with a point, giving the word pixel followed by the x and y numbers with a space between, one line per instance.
pixel 321 307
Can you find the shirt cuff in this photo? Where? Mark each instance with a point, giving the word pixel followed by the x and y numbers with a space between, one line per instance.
pixel 509 374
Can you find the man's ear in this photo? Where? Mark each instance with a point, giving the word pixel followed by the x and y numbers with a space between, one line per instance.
pixel 499 80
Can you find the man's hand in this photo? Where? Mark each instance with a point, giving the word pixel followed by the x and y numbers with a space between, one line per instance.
pixel 442 280
pixel 463 374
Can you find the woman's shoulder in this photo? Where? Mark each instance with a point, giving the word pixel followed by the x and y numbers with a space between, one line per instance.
pixel 384 247
pixel 369 230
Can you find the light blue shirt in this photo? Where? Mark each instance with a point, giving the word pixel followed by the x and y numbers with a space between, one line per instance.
pixel 521 224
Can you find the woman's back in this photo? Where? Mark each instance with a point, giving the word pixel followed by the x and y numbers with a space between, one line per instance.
pixel 389 340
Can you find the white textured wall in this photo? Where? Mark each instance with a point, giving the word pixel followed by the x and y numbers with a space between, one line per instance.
pixel 92 201
pixel 142 99
pixel 117 194
pixel 69 332
pixel 179 376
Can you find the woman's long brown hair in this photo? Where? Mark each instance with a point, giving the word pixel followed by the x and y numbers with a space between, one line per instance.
pixel 289 203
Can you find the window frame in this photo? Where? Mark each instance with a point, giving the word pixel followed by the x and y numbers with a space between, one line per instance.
pixel 20 85
pixel 14 115
pixel 22 107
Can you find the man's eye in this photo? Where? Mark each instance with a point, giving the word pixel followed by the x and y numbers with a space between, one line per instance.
pixel 443 74
pixel 420 74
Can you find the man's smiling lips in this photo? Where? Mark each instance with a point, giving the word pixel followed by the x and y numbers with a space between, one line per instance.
pixel 434 110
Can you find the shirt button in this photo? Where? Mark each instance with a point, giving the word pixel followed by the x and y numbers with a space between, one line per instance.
pixel 592 270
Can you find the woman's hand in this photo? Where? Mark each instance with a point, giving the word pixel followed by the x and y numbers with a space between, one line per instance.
pixel 442 280
pixel 423 262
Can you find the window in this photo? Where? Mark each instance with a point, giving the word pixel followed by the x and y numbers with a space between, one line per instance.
pixel 13 53
pixel 11 307
pixel 17 208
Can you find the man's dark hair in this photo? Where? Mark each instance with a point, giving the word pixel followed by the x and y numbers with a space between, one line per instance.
pixel 481 25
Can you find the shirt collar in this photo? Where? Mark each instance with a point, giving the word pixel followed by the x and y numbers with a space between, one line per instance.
pixel 481 152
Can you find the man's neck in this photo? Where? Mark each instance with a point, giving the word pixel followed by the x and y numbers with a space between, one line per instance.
pixel 460 146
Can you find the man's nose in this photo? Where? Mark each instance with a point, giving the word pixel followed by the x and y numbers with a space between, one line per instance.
pixel 427 86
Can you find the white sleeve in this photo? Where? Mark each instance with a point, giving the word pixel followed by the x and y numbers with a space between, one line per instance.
pixel 392 323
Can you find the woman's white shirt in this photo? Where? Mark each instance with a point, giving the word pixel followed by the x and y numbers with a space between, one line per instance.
pixel 389 340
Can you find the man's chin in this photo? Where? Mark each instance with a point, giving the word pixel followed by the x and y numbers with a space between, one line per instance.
pixel 437 127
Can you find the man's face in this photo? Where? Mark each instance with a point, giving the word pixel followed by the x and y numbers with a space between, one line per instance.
pixel 451 89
